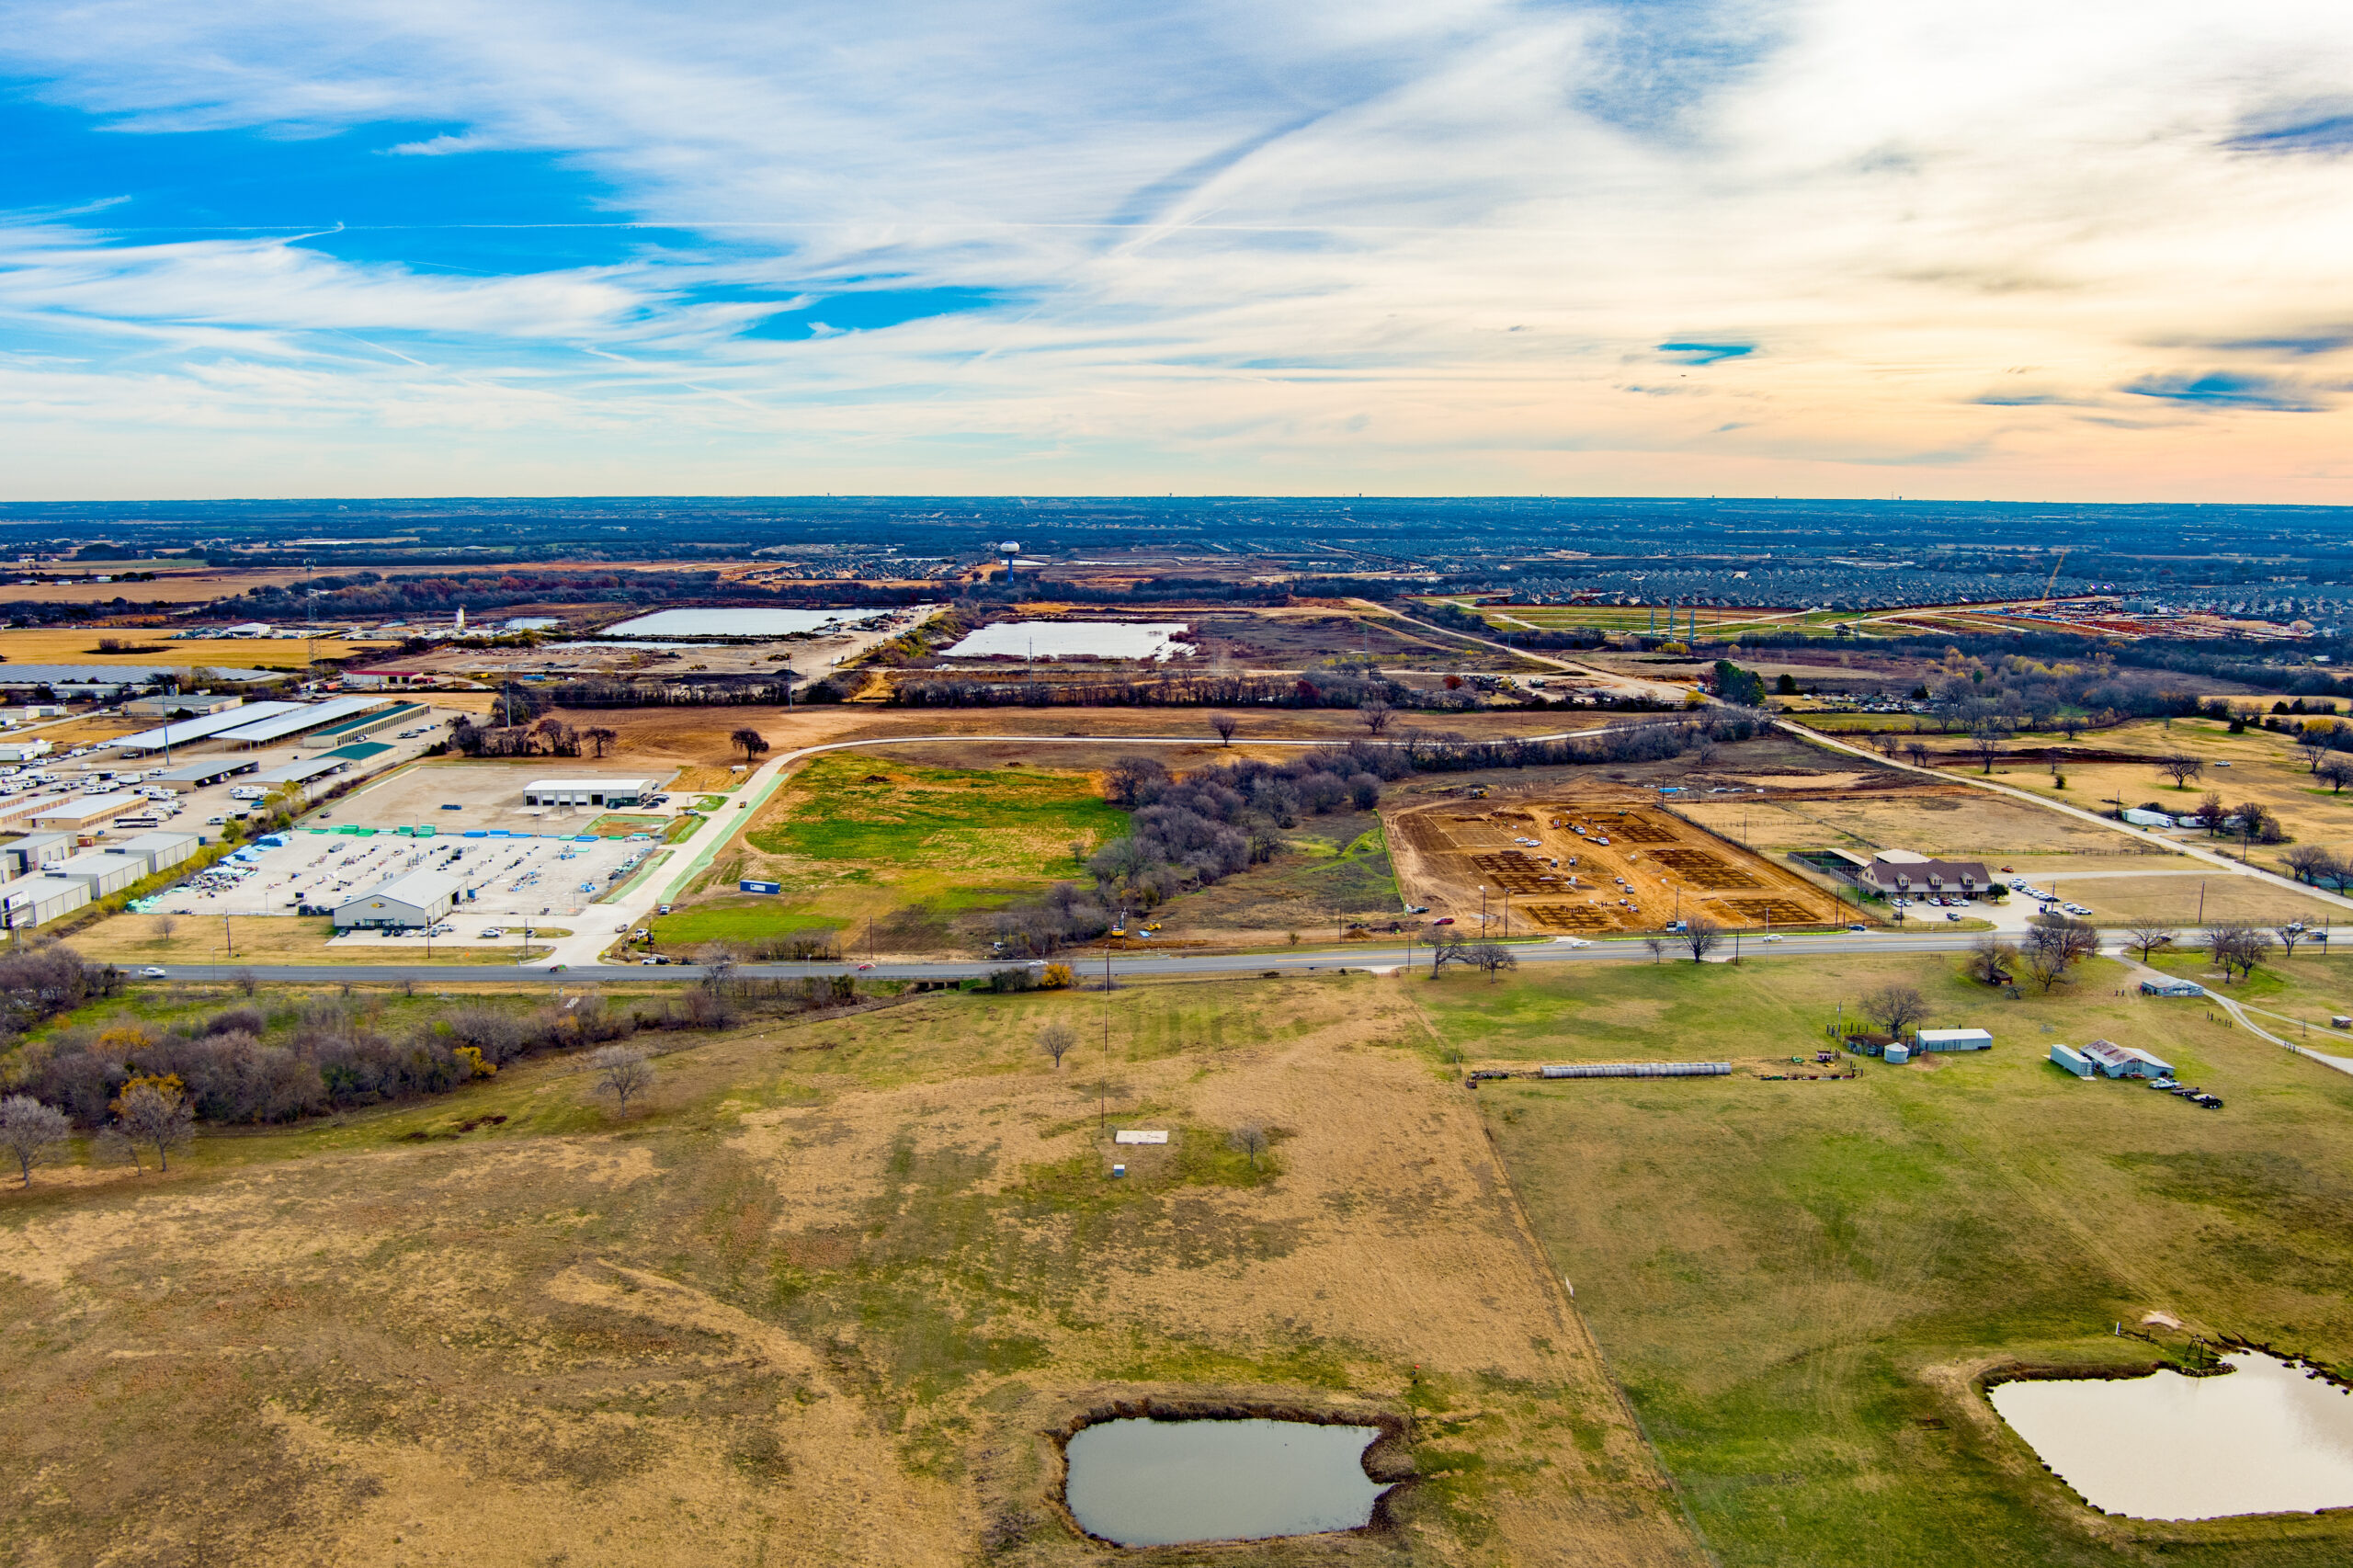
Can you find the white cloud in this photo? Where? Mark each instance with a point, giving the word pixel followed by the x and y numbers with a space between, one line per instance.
pixel 1348 246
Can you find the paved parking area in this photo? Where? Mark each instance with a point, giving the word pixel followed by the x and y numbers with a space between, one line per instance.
pixel 509 877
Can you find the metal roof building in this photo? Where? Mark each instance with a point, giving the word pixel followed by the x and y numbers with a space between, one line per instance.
pixel 197 775
pixel 79 814
pixel 157 851
pixel 587 791
pixel 303 772
pixel 105 873
pixel 36 900
pixel 412 899
pixel 182 732
pixel 300 720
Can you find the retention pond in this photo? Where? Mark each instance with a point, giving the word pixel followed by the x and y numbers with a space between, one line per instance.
pixel 2266 1439
pixel 1146 1482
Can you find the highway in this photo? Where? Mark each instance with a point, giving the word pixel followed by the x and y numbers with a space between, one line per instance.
pixel 1090 965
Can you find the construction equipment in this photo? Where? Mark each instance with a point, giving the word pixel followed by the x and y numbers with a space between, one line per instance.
pixel 2047 588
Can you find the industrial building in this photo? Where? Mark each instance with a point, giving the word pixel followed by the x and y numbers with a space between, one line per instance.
pixel 183 731
pixel 299 719
pixel 25 750
pixel 587 791
pixel 35 851
pixel 105 873
pixel 86 814
pixel 38 900
pixel 303 772
pixel 190 776
pixel 189 704
pixel 157 851
pixel 411 900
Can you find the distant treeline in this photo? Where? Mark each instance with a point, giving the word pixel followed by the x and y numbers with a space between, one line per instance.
pixel 2256 664
pixel 1459 619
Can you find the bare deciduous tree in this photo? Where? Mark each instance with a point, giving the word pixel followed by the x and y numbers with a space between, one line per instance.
pixel 31 1133
pixel 2337 773
pixel 624 1073
pixel 2149 937
pixel 2308 862
pixel 2237 946
pixel 153 1113
pixel 1894 1008
pixel 1249 1139
pixel 245 980
pixel 601 737
pixel 2181 768
pixel 1985 738
pixel 1224 725
pixel 164 926
pixel 1375 716
pixel 2288 937
pixel 2054 947
pixel 718 961
pixel 1057 1041
pixel 1658 946
pixel 1918 752
pixel 1490 958
pixel 1702 936
pixel 1990 959
pixel 749 741
pixel 1446 948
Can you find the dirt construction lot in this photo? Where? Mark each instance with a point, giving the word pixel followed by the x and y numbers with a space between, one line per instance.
pixel 1589 864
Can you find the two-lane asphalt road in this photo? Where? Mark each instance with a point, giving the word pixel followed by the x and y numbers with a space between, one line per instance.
pixel 1090 968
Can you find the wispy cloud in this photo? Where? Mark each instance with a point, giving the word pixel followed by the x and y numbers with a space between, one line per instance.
pixel 1063 244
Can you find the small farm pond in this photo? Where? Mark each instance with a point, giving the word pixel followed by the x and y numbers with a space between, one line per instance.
pixel 1075 640
pixel 1143 1482
pixel 2265 1438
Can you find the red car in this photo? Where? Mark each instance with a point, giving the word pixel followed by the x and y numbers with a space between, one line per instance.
pixel 1443 920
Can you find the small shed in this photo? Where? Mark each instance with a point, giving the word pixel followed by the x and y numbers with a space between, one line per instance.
pixel 2074 1060
pixel 2172 988
pixel 1952 1039
pixel 1898 1054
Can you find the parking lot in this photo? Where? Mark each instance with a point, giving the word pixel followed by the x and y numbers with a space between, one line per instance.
pixel 548 880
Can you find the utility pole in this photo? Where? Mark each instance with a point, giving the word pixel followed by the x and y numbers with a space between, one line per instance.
pixel 226 940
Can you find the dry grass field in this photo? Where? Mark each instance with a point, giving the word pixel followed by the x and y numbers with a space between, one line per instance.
pixel 1884 810
pixel 54 647
pixel 2261 767
pixel 820 1303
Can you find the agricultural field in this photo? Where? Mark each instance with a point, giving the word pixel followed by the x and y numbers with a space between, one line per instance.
pixel 860 837
pixel 144 645
pixel 1797 1281
pixel 818 1302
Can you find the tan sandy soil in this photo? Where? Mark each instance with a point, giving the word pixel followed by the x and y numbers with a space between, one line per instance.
pixel 1445 852
pixel 752 1325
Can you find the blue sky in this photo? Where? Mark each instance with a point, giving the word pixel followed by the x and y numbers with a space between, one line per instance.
pixel 1455 246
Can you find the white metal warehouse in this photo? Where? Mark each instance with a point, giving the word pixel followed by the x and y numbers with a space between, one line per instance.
pixel 587 791
pixel 412 899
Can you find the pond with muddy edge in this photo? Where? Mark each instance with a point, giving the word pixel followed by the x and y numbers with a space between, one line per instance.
pixel 2266 1439
pixel 1159 1482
